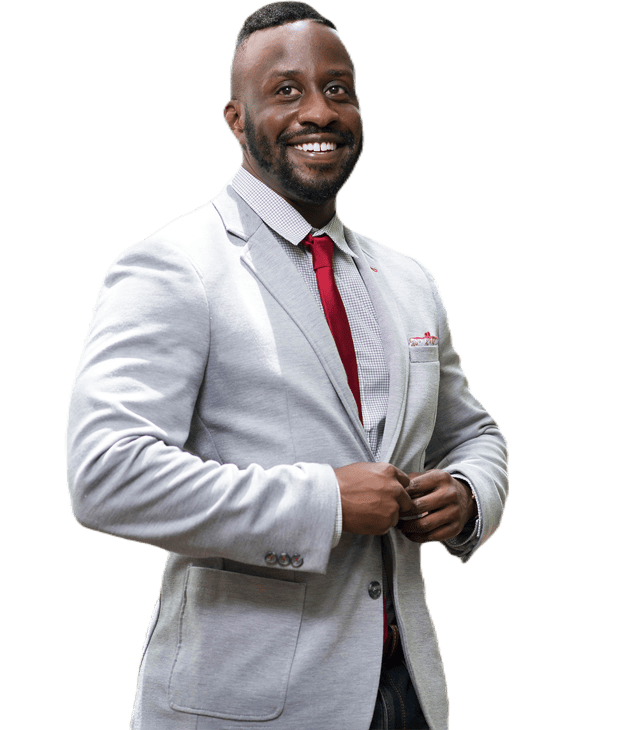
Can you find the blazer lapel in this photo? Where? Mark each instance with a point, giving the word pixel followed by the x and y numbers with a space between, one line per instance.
pixel 276 272
pixel 394 343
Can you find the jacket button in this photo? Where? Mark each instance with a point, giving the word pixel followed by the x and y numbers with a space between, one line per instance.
pixel 283 559
pixel 271 558
pixel 374 589
pixel 297 561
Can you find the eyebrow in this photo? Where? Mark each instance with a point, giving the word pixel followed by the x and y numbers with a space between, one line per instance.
pixel 334 73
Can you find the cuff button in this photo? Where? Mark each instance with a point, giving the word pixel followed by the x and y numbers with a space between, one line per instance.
pixel 283 559
pixel 271 558
pixel 297 561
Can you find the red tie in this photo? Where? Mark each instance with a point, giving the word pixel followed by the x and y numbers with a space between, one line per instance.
pixel 322 248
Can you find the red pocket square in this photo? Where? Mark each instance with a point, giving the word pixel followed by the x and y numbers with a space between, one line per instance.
pixel 428 339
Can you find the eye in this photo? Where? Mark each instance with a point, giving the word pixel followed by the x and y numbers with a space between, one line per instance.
pixel 337 90
pixel 288 91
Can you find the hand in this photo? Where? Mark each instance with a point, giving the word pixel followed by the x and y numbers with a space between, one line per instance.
pixel 372 496
pixel 445 504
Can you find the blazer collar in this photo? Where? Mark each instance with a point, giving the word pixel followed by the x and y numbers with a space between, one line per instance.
pixel 237 216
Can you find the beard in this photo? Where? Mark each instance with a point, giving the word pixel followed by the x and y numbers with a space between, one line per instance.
pixel 274 160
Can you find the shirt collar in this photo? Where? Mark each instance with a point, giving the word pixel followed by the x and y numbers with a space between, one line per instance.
pixel 281 216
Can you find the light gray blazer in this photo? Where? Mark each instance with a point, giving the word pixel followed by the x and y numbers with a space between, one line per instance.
pixel 209 409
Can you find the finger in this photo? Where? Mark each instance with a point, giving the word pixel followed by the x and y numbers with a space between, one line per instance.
pixel 411 515
pixel 412 527
pixel 430 523
pixel 403 499
pixel 413 537
pixel 404 503
pixel 445 532
pixel 411 534
pixel 418 507
pixel 425 483
pixel 402 477
pixel 423 505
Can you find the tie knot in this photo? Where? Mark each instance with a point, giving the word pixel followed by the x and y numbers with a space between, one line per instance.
pixel 322 248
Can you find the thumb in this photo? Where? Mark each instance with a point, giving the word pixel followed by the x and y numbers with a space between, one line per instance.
pixel 402 477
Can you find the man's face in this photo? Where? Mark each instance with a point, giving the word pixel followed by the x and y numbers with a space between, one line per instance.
pixel 301 126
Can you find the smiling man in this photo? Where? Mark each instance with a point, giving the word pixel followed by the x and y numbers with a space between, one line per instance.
pixel 276 401
pixel 295 112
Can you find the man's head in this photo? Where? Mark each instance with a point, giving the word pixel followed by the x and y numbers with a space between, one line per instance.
pixel 293 88
pixel 275 14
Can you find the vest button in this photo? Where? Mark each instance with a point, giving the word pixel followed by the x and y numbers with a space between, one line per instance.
pixel 374 589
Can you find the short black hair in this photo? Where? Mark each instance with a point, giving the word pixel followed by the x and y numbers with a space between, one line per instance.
pixel 274 14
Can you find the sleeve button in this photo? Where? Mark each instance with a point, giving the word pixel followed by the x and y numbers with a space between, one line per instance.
pixel 271 558
pixel 283 559
pixel 297 561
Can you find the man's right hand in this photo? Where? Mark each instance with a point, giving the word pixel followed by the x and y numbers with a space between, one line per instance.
pixel 372 497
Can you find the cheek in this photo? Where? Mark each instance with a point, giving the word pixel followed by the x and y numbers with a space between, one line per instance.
pixel 358 127
pixel 273 125
pixel 352 120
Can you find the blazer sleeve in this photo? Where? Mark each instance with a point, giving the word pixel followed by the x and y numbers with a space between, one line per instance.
pixel 131 414
pixel 466 442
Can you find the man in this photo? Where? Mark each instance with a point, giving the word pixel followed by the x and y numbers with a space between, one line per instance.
pixel 276 401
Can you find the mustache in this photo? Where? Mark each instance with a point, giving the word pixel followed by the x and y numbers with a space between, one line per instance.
pixel 287 137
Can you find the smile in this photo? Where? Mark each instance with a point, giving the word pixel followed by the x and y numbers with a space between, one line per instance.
pixel 317 147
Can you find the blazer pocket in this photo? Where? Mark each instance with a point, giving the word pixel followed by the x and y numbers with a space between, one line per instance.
pixel 423 353
pixel 420 409
pixel 236 642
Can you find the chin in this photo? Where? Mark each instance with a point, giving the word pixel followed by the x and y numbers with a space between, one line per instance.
pixel 312 192
pixel 320 185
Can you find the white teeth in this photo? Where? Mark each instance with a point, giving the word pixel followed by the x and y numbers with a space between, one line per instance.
pixel 316 146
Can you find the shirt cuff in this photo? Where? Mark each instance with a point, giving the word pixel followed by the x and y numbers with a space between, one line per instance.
pixel 338 523
pixel 473 528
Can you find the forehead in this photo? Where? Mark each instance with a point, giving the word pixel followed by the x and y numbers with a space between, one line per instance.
pixel 304 46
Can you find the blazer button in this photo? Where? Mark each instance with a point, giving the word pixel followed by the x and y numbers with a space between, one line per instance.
pixel 374 589
pixel 283 559
pixel 271 558
pixel 297 561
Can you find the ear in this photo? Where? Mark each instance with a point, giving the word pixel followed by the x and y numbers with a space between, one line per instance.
pixel 234 112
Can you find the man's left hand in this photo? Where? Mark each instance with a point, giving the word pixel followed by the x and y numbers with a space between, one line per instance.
pixel 445 503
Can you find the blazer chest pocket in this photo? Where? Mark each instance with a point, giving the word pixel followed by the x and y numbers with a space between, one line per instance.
pixel 236 642
pixel 420 408
pixel 423 353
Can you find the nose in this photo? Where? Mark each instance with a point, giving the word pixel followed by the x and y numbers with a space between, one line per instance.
pixel 316 109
